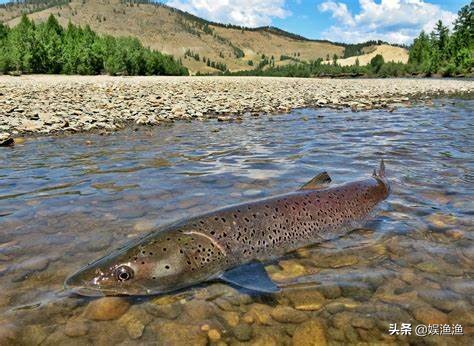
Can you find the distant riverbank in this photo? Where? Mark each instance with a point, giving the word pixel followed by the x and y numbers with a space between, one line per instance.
pixel 48 104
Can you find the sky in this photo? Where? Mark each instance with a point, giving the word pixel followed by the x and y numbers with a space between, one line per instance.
pixel 350 21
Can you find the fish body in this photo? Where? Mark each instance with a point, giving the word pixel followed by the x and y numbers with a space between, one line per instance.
pixel 229 243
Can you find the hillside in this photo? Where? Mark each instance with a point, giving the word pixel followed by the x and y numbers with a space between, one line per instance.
pixel 389 53
pixel 199 43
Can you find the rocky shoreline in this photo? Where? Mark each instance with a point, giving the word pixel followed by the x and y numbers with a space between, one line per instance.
pixel 50 104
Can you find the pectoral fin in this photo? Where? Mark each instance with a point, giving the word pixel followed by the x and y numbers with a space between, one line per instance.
pixel 251 276
pixel 320 181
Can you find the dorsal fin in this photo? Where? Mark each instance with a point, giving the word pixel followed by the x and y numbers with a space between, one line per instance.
pixel 318 182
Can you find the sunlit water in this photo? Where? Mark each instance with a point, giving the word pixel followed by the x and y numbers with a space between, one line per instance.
pixel 67 200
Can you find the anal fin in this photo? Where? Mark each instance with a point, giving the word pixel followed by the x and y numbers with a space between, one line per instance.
pixel 252 276
pixel 320 181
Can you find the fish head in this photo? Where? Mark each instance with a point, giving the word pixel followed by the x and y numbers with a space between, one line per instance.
pixel 152 266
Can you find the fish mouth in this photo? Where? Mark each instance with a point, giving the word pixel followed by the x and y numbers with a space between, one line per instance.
pixel 88 291
pixel 84 288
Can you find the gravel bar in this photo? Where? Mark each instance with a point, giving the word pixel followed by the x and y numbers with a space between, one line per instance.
pixel 49 104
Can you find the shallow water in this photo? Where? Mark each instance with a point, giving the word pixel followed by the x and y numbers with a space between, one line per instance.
pixel 67 200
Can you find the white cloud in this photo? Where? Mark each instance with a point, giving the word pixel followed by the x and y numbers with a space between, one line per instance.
pixel 339 11
pixel 396 21
pixel 250 13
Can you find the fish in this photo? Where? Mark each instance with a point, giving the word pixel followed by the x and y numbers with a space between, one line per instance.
pixel 232 244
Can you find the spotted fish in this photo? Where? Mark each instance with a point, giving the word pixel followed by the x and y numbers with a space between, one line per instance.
pixel 230 244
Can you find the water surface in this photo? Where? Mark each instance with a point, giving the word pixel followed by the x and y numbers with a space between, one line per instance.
pixel 66 200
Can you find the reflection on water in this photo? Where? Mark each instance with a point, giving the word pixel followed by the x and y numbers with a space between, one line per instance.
pixel 67 200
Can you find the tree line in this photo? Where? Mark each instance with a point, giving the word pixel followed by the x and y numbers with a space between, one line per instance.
pixel 49 48
pixel 446 52
pixel 440 52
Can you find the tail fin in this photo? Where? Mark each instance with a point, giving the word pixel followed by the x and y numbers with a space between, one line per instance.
pixel 381 171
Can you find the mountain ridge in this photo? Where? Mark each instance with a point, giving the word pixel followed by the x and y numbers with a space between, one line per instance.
pixel 200 44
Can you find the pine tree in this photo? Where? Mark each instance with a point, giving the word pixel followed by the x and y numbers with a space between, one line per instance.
pixel 420 50
pixel 376 63
pixel 22 46
pixel 50 36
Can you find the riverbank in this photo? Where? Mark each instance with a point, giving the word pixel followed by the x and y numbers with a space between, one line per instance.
pixel 48 104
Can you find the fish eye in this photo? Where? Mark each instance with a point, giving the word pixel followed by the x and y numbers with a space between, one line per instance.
pixel 124 273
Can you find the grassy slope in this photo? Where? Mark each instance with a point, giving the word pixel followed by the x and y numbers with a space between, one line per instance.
pixel 390 53
pixel 172 32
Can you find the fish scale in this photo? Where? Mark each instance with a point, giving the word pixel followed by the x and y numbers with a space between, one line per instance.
pixel 231 243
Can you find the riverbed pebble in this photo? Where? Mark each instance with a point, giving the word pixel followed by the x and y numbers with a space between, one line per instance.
pixel 36 104
pixel 303 299
pixel 6 140
pixel 242 332
pixel 108 308
pixel 76 327
pixel 429 315
pixel 310 333
pixel 286 314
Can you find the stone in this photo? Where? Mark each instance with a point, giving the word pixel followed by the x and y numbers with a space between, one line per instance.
pixel 135 320
pixel 19 140
pixel 291 269
pixel 462 315
pixel 357 290
pixel 310 333
pixel 76 327
pixel 303 299
pixel 259 313
pixel 242 332
pixel 107 308
pixel 135 329
pixel 167 311
pixel 455 234
pixel 33 334
pixel 286 314
pixel 429 315
pixel 362 322
pixel 441 221
pixel 34 264
pixel 214 335
pixel 8 334
pixel 197 310
pixel 6 140
pixel 177 334
pixel 442 300
pixel 264 339
pixel 99 242
pixel 330 290
pixel 231 317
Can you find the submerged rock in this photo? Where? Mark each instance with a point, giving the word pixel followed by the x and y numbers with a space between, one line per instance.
pixel 108 308
pixel 8 333
pixel 303 299
pixel 430 315
pixel 242 332
pixel 177 334
pixel 76 327
pixel 214 335
pixel 259 313
pixel 168 311
pixel 286 314
pixel 310 333
pixel 442 300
